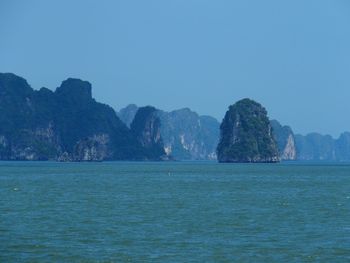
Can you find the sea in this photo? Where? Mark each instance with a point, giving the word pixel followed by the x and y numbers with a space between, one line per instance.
pixel 174 212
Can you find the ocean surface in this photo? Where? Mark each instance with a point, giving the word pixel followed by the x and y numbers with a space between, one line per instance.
pixel 174 212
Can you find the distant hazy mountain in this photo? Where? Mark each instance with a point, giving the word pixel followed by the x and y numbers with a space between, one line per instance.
pixel 342 145
pixel 317 147
pixel 65 125
pixel 310 147
pixel 246 135
pixel 185 134
pixel 285 139
pixel 127 114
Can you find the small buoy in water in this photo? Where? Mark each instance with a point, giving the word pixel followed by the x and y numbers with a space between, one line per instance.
pixel 15 189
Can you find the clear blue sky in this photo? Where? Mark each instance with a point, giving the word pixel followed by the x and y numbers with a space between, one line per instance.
pixel 291 56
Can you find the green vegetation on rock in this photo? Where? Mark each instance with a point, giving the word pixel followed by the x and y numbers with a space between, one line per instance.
pixel 246 135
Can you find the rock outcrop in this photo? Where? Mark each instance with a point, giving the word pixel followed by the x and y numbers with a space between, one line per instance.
pixel 246 134
pixel 188 136
pixel 284 137
pixel 65 125
pixel 185 134
pixel 69 125
pixel 26 131
pixel 146 128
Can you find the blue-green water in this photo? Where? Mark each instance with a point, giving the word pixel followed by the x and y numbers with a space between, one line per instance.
pixel 174 212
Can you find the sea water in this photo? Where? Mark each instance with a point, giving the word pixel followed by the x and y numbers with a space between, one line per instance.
pixel 174 212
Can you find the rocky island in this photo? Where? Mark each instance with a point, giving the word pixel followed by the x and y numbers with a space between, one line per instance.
pixel 67 124
pixel 146 128
pixel 63 125
pixel 186 135
pixel 246 135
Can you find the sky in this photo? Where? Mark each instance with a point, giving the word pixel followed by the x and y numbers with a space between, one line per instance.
pixel 291 56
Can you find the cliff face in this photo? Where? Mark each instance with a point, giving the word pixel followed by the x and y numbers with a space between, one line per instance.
pixel 284 137
pixel 89 130
pixel 246 134
pixel 146 128
pixel 65 125
pixel 26 133
pixel 186 135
